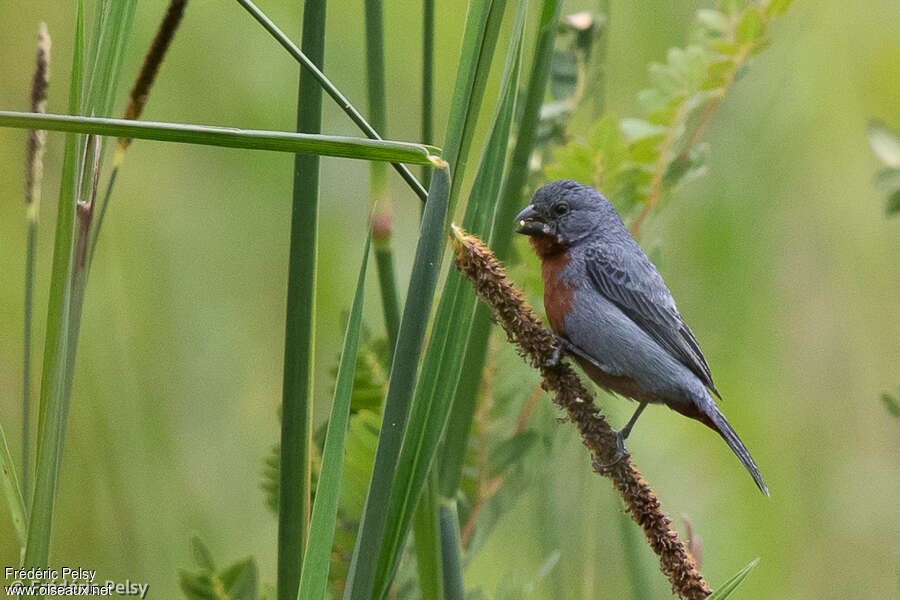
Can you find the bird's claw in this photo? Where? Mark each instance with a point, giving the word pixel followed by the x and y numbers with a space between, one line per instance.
pixel 559 351
pixel 619 455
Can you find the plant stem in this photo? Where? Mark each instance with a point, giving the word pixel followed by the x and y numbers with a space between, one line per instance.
pixel 427 530
pixel 378 181
pixel 428 81
pixel 330 89
pixel 299 345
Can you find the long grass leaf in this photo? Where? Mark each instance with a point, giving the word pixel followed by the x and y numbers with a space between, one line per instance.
pixel 427 530
pixel 453 583
pixel 300 324
pixel 361 577
pixel 280 141
pixel 51 423
pixel 443 359
pixel 317 561
pixel 501 239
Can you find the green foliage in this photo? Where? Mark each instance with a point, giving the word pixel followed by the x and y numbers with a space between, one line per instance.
pixel 725 590
pixel 239 581
pixel 886 145
pixel 636 160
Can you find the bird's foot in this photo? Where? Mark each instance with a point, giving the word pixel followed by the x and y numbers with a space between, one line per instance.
pixel 560 350
pixel 619 455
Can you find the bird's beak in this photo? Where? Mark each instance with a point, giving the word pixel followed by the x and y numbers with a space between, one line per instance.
pixel 530 222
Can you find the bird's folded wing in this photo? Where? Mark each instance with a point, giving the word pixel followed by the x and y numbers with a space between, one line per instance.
pixel 631 282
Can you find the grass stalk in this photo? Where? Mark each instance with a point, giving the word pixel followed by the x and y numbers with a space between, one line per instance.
pixel 12 491
pixel 378 177
pixel 317 560
pixel 427 80
pixel 427 532
pixel 361 577
pixel 330 89
pixel 299 345
pixel 229 137
pixel 34 170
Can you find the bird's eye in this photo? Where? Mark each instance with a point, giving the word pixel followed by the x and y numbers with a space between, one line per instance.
pixel 560 208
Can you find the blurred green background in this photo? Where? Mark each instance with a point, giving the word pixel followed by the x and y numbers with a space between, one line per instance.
pixel 781 259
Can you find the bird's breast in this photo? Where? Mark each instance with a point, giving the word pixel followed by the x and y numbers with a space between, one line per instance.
pixel 559 293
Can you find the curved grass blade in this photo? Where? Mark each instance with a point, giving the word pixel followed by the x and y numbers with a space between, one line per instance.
pixel 317 561
pixel 361 578
pixel 329 88
pixel 729 586
pixel 300 326
pixel 279 141
pixel 443 359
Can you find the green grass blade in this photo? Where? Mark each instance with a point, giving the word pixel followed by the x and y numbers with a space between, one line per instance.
pixel 427 79
pixel 51 421
pixel 317 561
pixel 378 176
pixel 500 240
pixel 361 577
pixel 453 583
pixel 443 359
pixel 729 586
pixel 279 141
pixel 329 88
pixel 299 343
pixel 11 489
pixel 427 531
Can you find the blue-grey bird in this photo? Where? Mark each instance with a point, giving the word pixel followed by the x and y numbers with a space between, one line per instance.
pixel 612 312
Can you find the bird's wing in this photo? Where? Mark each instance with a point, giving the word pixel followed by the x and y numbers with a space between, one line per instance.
pixel 630 281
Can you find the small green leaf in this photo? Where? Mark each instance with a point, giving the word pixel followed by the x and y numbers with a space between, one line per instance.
pixel 893 205
pixel 885 143
pixel 777 7
pixel 893 406
pixel 720 68
pixel 729 586
pixel 635 129
pixel 723 47
pixel 200 553
pixel 750 27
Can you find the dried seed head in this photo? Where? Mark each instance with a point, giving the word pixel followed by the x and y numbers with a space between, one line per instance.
pixel 34 149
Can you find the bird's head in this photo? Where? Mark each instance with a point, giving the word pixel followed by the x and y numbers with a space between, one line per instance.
pixel 563 213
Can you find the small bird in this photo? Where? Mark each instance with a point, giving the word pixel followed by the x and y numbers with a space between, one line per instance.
pixel 613 314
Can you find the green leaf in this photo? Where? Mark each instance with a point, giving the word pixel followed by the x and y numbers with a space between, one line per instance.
pixel 777 7
pixel 729 586
pixel 750 27
pixel 295 482
pixel 361 578
pixel 442 365
pixel 201 554
pixel 727 48
pixel 426 526
pixel 892 405
pixel 279 141
pixel 316 561
pixel 239 581
pixel 885 143
pixel 510 451
pixel 11 489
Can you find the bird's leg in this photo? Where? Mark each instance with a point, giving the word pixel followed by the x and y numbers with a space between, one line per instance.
pixel 562 348
pixel 621 435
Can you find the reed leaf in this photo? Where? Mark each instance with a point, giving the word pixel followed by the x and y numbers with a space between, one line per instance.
pixel 317 561
pixel 279 141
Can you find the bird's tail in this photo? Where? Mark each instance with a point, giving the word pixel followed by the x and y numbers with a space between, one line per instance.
pixel 721 425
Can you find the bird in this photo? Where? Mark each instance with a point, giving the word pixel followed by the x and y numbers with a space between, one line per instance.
pixel 613 314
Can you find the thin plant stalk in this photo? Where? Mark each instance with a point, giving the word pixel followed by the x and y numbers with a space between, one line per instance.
pixel 330 89
pixel 453 584
pixel 34 169
pixel 378 179
pixel 299 345
pixel 427 80
pixel 427 532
